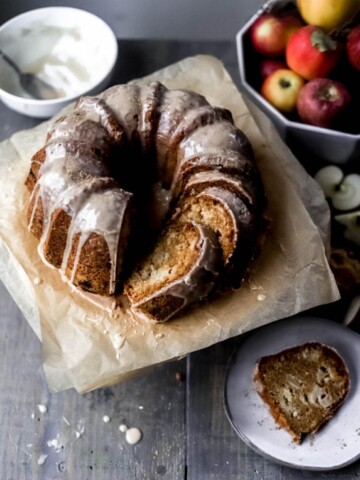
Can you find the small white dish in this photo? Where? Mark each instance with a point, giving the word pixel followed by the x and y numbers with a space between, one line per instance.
pixel 69 48
pixel 337 443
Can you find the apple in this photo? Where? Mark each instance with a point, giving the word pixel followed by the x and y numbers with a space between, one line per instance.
pixel 328 14
pixel 353 47
pixel 270 65
pixel 351 222
pixel 322 102
pixel 270 33
pixel 329 178
pixel 281 89
pixel 312 53
pixel 343 190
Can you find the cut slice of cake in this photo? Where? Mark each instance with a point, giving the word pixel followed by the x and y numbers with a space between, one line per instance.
pixel 233 163
pixel 227 214
pixel 183 267
pixel 303 386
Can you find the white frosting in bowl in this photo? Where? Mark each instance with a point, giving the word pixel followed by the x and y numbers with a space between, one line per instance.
pixel 72 50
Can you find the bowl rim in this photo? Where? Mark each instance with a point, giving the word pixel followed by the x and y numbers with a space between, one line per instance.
pixel 90 86
pixel 262 101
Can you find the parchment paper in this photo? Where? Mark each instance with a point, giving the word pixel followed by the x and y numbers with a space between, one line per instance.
pixel 85 346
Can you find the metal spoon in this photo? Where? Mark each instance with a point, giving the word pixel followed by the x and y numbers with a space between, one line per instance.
pixel 33 85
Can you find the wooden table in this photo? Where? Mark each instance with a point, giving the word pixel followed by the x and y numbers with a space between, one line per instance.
pixel 178 406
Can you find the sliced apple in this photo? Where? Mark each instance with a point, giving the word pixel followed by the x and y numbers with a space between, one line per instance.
pixel 347 195
pixel 352 223
pixel 329 178
pixel 344 191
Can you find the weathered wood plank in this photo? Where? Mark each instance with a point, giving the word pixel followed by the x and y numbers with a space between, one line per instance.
pixel 72 432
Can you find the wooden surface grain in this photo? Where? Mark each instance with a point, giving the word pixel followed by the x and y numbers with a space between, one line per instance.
pixel 72 432
pixel 178 406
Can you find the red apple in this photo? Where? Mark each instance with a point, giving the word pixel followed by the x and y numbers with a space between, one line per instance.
pixel 312 53
pixel 282 88
pixel 353 47
pixel 269 66
pixel 322 102
pixel 270 33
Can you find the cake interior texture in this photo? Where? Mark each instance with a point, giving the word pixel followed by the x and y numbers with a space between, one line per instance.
pixel 146 191
pixel 303 386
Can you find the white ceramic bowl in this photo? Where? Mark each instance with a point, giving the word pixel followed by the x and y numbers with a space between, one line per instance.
pixel 329 145
pixel 72 49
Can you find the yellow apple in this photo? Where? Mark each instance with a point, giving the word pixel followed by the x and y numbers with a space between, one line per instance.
pixel 282 89
pixel 328 14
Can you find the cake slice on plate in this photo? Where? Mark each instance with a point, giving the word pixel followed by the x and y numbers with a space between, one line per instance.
pixel 303 386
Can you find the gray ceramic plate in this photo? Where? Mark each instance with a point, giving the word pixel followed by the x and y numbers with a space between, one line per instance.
pixel 338 442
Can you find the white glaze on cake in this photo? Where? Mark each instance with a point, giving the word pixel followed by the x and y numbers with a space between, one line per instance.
pixel 214 178
pixel 125 105
pixel 89 200
pixel 217 137
pixel 97 216
pixel 174 107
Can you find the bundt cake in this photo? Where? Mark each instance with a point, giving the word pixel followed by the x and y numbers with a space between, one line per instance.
pixel 149 192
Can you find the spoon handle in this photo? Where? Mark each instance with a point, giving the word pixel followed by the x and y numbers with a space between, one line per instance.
pixel 10 62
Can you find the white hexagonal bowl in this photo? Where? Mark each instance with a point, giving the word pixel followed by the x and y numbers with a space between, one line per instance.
pixel 330 145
